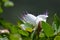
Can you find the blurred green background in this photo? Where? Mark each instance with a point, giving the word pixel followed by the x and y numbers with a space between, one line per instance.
pixel 35 7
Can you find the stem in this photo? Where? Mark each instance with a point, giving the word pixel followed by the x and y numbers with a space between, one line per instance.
pixel 39 29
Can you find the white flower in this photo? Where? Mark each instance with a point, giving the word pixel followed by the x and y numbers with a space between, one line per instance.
pixel 41 18
pixel 29 18
pixel 34 20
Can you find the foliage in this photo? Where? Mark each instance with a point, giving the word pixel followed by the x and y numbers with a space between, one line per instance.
pixel 47 29
pixel 5 3
pixel 48 32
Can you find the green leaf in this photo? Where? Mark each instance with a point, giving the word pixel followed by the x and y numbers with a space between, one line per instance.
pixel 5 24
pixel 32 35
pixel 54 26
pixel 48 30
pixel 24 33
pixel 13 29
pixel 28 27
pixel 41 34
pixel 57 38
pixel 9 4
pixel 14 37
pixel 56 21
pixel 59 29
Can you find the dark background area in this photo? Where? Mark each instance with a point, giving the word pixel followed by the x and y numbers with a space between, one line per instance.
pixel 35 7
